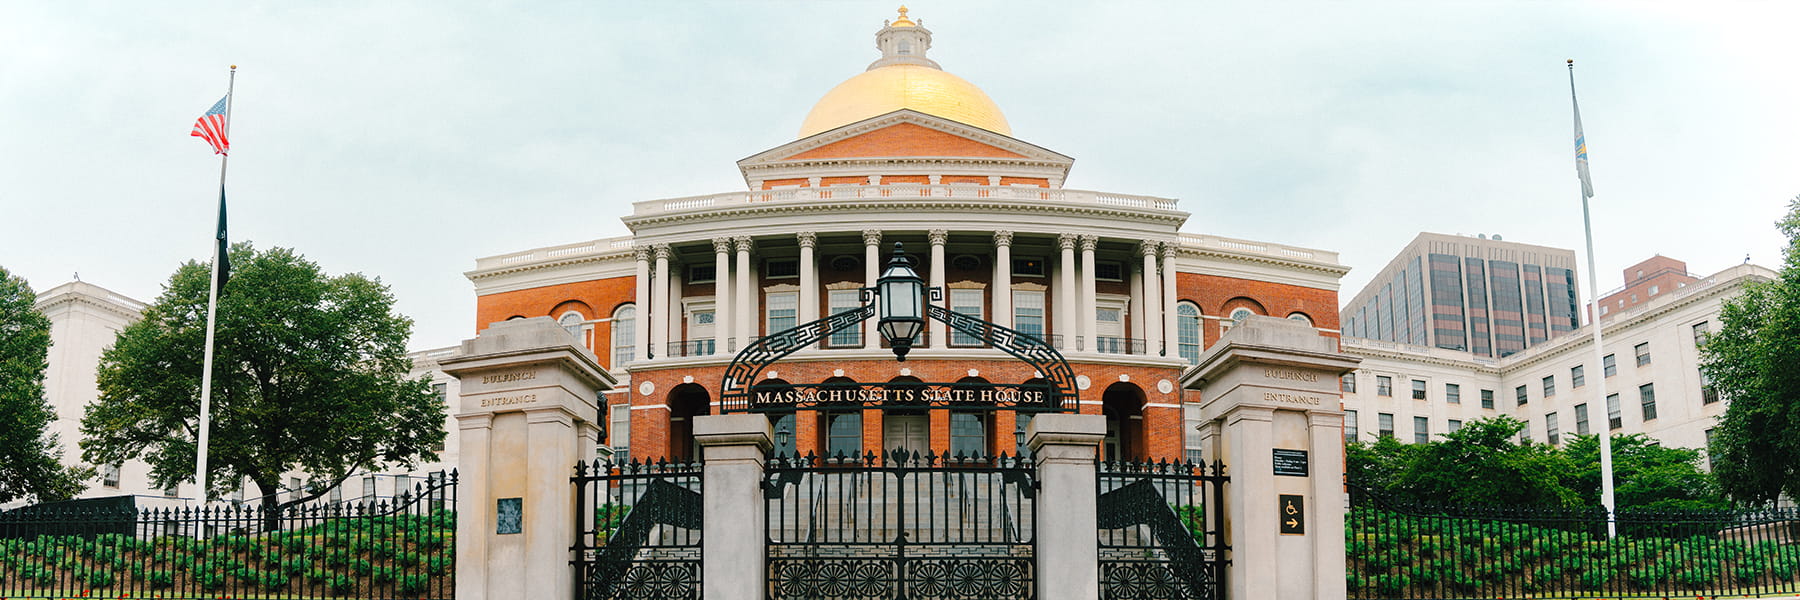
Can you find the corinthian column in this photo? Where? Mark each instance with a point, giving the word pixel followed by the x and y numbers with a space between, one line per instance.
pixel 871 272
pixel 1003 313
pixel 1171 332
pixel 1152 301
pixel 659 302
pixel 1068 309
pixel 939 333
pixel 722 307
pixel 745 320
pixel 640 331
pixel 809 277
pixel 1090 325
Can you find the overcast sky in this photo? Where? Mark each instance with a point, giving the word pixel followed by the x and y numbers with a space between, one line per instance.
pixel 404 140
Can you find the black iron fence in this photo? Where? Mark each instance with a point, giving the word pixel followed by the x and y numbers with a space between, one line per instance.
pixel 404 548
pixel 638 530
pixel 1162 530
pixel 901 525
pixel 1397 550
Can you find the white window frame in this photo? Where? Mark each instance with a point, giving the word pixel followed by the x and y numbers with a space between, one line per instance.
pixel 691 309
pixel 770 300
pixel 969 301
pixel 624 339
pixel 578 326
pixel 1183 320
pixel 1030 300
pixel 837 301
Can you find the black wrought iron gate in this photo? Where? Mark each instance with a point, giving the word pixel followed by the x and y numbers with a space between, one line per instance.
pixel 1162 530
pixel 902 525
pixel 637 531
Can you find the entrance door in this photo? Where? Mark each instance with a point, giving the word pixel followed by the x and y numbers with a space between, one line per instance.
pixel 906 432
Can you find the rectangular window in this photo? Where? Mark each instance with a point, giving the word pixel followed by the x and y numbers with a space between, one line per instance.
pixel 294 489
pixel 620 436
pixel 702 273
pixel 1455 424
pixel 1107 270
pixel 968 434
pixel 1609 366
pixel 1027 267
pixel 1350 431
pixel 1552 430
pixel 368 488
pixel 1643 353
pixel 1487 399
pixel 1347 383
pixel 402 485
pixel 1418 389
pixel 336 497
pixel 1708 395
pixel 1581 419
pixel 109 476
pixel 1615 417
pixel 1549 386
pixel 1700 332
pixel 1421 430
pixel 1028 312
pixel 784 311
pixel 967 302
pixel 844 434
pixel 1577 376
pixel 781 268
pixel 1647 396
pixel 1452 393
pixel 1525 434
pixel 1709 443
pixel 1523 394
pixel 442 391
pixel 1384 386
pixel 843 301
pixel 1386 422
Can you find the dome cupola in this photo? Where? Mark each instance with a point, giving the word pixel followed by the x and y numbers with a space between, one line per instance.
pixel 904 78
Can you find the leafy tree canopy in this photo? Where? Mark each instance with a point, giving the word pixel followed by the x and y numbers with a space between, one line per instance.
pixel 1754 361
pixel 1645 474
pixel 30 459
pixel 309 374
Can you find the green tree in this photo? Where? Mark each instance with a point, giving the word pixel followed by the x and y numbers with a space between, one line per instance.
pixel 30 461
pixel 1754 362
pixel 309 375
pixel 1645 474
pixel 1481 463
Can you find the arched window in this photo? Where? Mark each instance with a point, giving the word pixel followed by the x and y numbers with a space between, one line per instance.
pixel 1301 317
pixel 1187 331
pixel 575 324
pixel 624 335
pixel 1238 315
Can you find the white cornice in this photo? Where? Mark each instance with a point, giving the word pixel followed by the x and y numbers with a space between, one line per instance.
pixel 59 299
pixel 865 206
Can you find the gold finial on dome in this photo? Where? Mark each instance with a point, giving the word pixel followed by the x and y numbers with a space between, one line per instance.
pixel 903 21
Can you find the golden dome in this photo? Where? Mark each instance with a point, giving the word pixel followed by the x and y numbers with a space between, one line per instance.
pixel 889 88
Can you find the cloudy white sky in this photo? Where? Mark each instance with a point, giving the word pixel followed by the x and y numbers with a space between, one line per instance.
pixel 406 139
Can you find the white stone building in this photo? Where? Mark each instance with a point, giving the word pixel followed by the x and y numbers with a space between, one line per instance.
pixel 1651 376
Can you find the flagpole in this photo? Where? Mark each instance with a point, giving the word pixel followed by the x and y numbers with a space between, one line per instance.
pixel 1587 227
pixel 212 311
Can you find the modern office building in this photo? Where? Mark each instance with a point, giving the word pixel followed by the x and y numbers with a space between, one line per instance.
pixel 1479 294
pixel 1649 369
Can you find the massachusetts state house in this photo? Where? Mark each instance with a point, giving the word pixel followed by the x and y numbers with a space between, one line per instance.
pixel 906 152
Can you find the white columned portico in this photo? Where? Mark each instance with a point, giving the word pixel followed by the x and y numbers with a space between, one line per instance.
pixel 1068 309
pixel 1003 312
pixel 659 303
pixel 871 272
pixel 1090 324
pixel 745 320
pixel 640 333
pixel 939 332
pixel 1152 321
pixel 809 276
pixel 722 307
pixel 1171 332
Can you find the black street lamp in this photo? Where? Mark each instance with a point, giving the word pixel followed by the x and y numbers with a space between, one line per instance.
pixel 784 436
pixel 902 295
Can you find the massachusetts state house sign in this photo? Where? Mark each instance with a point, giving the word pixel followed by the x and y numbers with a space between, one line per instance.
pixel 783 397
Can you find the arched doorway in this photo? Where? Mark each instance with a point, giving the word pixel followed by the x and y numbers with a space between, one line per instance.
pixel 971 431
pixel 1123 406
pixel 686 401
pixel 906 429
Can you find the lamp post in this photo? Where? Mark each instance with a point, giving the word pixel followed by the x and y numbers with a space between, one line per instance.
pixel 902 297
pixel 783 435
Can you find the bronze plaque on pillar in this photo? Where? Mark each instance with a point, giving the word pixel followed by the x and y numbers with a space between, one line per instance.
pixel 1292 514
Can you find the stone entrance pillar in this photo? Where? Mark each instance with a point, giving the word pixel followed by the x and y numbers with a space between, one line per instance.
pixel 734 447
pixel 1271 412
pixel 1068 554
pixel 527 413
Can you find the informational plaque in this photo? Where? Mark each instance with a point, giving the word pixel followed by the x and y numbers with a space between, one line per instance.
pixel 1293 514
pixel 1290 463
pixel 509 516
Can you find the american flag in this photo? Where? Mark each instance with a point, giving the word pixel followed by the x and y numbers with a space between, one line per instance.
pixel 211 127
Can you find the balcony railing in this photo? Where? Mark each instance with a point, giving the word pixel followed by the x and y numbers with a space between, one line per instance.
pixel 700 347
pixel 1119 345
pixel 902 192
